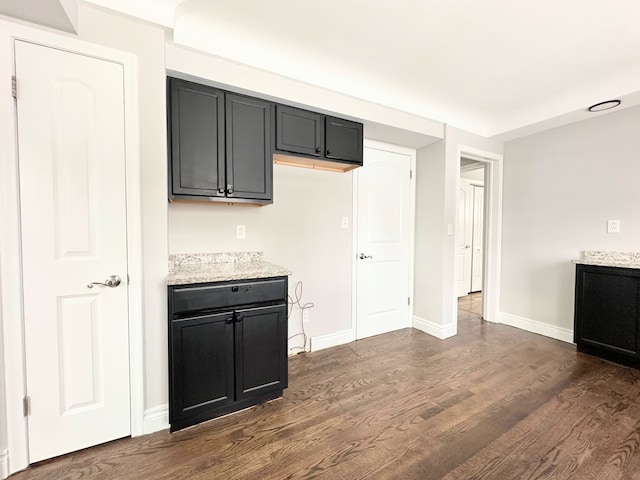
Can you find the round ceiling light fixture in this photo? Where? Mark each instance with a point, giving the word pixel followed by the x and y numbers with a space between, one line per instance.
pixel 609 104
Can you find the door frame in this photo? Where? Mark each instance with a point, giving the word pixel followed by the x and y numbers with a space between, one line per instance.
pixel 492 228
pixel 11 295
pixel 387 147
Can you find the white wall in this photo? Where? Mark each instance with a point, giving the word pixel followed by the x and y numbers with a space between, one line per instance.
pixel 560 188
pixel 301 231
pixel 4 464
pixel 430 233
pixel 438 168
pixel 147 42
pixel 239 77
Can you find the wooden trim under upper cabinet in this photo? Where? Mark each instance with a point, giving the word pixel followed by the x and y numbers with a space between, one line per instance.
pixel 314 163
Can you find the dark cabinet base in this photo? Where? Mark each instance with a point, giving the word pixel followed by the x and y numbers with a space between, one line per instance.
pixel 236 406
pixel 227 347
pixel 607 313
pixel 608 355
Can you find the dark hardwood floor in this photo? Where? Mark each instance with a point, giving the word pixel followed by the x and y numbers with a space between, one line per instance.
pixel 471 303
pixel 494 402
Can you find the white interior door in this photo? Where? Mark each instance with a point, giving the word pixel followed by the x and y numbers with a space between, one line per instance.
pixel 70 111
pixel 384 228
pixel 478 238
pixel 464 237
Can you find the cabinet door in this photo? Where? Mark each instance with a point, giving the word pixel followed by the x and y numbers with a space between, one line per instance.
pixel 196 135
pixel 249 162
pixel 343 140
pixel 201 365
pixel 607 310
pixel 299 131
pixel 261 350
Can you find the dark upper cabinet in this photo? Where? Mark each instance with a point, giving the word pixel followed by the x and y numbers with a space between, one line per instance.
pixel 220 145
pixel 313 135
pixel 196 134
pixel 343 140
pixel 607 312
pixel 248 142
pixel 299 131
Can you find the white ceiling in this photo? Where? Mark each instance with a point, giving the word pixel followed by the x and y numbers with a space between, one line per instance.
pixel 58 14
pixel 487 66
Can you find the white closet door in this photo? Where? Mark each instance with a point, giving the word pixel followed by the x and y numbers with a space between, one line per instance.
pixel 384 226
pixel 72 191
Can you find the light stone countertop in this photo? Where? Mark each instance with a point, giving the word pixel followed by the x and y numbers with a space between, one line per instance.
pixel 186 269
pixel 610 259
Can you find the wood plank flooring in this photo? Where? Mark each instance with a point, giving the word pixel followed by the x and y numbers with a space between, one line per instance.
pixel 494 402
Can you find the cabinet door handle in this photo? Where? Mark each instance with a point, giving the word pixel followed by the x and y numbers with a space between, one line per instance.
pixel 328 152
pixel 221 191
pixel 318 149
pixel 239 318
pixel 229 189
pixel 229 320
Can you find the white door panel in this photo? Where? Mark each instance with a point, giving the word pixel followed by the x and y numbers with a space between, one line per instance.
pixel 464 237
pixel 383 234
pixel 478 239
pixel 73 217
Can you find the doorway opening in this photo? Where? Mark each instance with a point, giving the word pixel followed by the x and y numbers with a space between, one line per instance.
pixel 488 301
pixel 470 234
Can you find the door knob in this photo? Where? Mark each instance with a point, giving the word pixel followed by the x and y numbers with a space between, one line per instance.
pixel 362 256
pixel 112 282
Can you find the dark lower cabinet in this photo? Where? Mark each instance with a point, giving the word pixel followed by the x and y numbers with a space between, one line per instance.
pixel 607 312
pixel 261 340
pixel 202 365
pixel 223 361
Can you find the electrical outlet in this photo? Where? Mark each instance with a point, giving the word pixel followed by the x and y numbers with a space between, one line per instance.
pixel 305 316
pixel 241 232
pixel 613 226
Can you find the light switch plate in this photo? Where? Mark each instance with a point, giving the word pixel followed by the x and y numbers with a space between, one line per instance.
pixel 345 222
pixel 241 232
pixel 613 226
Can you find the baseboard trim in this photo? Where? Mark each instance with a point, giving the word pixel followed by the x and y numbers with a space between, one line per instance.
pixel 534 326
pixel 156 419
pixel 439 331
pixel 333 339
pixel 4 463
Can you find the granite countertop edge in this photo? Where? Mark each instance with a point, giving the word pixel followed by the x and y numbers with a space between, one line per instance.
pixel 610 259
pixel 605 263
pixel 205 268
